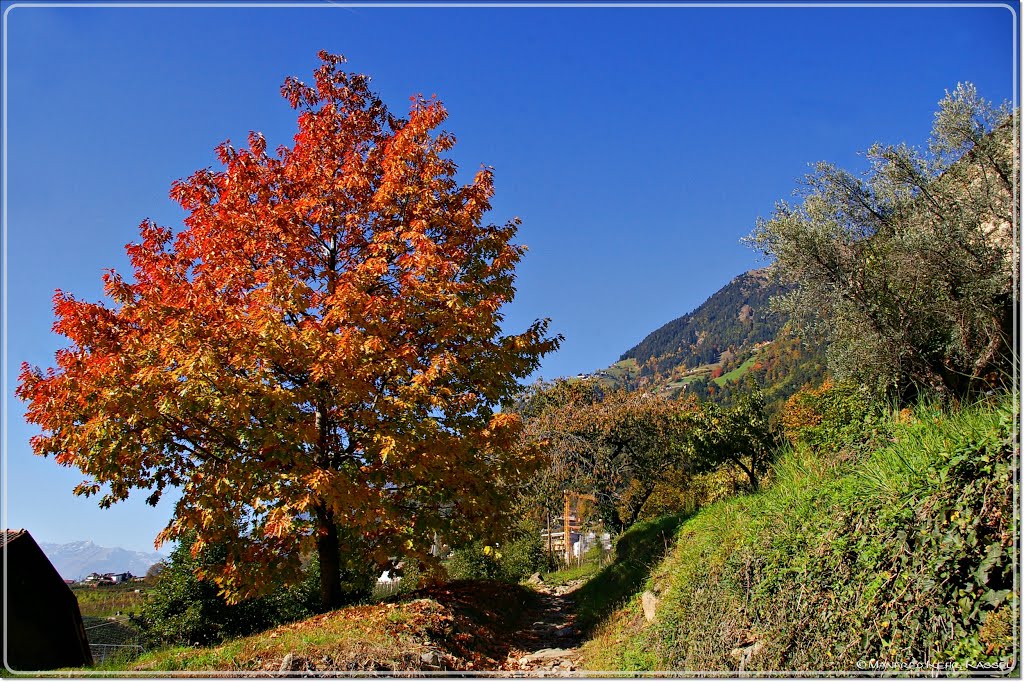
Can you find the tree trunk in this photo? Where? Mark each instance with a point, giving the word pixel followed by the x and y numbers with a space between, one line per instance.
pixel 749 471
pixel 328 552
pixel 636 506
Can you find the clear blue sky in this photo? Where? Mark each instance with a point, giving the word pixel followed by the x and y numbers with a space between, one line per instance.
pixel 638 145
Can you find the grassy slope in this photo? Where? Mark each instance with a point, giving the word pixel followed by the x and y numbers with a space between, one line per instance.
pixel 637 551
pixel 901 554
pixel 738 372
pixel 620 374
pixel 467 624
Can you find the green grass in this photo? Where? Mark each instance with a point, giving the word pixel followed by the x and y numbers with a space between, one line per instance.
pixel 738 372
pixel 564 575
pixel 638 550
pixel 621 372
pixel 902 553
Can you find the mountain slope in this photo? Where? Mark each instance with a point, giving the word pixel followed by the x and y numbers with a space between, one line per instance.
pixel 730 344
pixel 76 560
pixel 737 316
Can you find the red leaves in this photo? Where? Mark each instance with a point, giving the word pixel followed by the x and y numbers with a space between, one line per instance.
pixel 322 336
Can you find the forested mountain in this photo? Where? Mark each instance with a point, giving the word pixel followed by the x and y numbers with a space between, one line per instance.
pixel 735 317
pixel 731 343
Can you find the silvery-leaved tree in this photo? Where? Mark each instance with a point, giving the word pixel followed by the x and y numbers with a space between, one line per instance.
pixel 909 269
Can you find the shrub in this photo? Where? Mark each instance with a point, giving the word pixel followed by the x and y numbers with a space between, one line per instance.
pixel 181 609
pixel 828 418
pixel 508 562
pixel 477 561
pixel 522 557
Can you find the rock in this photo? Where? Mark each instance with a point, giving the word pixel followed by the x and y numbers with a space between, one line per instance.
pixel 535 579
pixel 650 604
pixel 430 658
pixel 544 655
pixel 288 662
pixel 743 654
pixel 567 631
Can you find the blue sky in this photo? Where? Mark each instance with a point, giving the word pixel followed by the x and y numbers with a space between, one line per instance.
pixel 638 145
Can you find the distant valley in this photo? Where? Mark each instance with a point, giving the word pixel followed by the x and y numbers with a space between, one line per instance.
pixel 75 560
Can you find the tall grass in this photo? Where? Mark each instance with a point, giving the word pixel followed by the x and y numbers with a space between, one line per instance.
pixel 902 550
pixel 637 551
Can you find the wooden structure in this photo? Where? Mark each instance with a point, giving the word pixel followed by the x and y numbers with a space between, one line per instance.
pixel 42 626
pixel 570 522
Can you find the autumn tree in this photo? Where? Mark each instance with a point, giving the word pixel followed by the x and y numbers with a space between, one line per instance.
pixel 909 268
pixel 614 445
pixel 314 360
pixel 541 407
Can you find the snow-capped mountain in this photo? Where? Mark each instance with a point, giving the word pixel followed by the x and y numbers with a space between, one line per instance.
pixel 76 560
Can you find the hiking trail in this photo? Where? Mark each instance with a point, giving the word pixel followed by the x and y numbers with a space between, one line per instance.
pixel 551 643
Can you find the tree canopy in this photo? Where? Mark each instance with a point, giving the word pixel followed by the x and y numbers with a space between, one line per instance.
pixel 909 268
pixel 614 445
pixel 317 355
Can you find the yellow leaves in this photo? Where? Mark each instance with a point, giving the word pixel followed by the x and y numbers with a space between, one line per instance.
pixel 279 524
pixel 505 420
pixel 387 446
pixel 373 345
pixel 319 482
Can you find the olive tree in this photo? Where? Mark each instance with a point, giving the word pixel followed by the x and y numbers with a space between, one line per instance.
pixel 908 268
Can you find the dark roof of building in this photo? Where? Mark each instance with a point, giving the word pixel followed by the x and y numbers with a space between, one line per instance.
pixel 9 535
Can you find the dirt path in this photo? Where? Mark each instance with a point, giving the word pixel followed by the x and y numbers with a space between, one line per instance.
pixel 550 644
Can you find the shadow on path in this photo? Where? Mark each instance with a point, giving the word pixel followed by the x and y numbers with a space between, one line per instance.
pixel 549 646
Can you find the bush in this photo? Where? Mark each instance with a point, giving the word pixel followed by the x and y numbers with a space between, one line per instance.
pixel 522 557
pixel 828 418
pixel 509 562
pixel 181 609
pixel 478 561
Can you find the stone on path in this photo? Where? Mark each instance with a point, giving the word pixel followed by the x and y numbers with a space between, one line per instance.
pixel 743 654
pixel 544 655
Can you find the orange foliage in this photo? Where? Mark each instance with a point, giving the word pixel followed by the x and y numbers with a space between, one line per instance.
pixel 318 348
pixel 800 412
